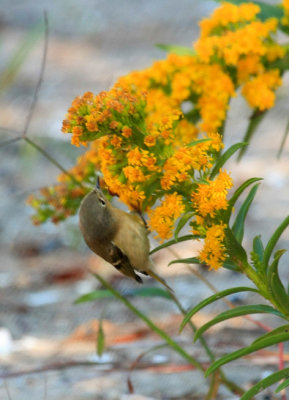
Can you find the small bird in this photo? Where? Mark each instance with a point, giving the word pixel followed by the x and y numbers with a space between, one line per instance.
pixel 118 237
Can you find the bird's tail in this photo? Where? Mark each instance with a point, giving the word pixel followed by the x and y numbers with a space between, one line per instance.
pixel 159 279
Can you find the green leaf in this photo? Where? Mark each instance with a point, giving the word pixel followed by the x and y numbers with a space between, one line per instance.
pixel 238 227
pixel 224 157
pixel 96 294
pixel 281 329
pixel 18 58
pixel 195 142
pixel 100 339
pixel 273 240
pixel 241 189
pixel 266 382
pixel 275 283
pixel 237 254
pixel 174 241
pixel 258 247
pixel 175 49
pixel 247 350
pixel 254 122
pixel 212 299
pixel 283 385
pixel 283 140
pixel 182 222
pixel 191 260
pixel 237 312
pixel 174 345
pixel 148 292
pixel 229 265
pixel 141 292
pixel 266 10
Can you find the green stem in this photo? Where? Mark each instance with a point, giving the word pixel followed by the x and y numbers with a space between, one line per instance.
pixel 233 387
pixel 194 328
pixel 174 345
pixel 260 283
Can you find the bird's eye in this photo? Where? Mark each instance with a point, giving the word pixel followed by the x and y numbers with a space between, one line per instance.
pixel 102 202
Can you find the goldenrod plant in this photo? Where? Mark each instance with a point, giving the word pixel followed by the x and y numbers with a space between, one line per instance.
pixel 156 141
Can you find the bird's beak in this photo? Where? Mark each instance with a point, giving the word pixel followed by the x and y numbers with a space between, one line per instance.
pixel 97 185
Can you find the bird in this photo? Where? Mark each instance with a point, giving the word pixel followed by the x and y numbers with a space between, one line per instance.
pixel 117 236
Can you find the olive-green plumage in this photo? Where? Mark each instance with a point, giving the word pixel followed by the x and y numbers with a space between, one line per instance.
pixel 118 237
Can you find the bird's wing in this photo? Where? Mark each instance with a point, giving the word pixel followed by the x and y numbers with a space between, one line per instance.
pixel 121 262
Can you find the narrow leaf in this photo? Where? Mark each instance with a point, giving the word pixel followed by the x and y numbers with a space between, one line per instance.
pixel 238 227
pixel 276 285
pixel 100 339
pixel 175 49
pixel 229 265
pixel 274 239
pixel 283 385
pixel 241 189
pixel 18 58
pixel 236 252
pixel 224 157
pixel 255 119
pixel 137 292
pixel 174 345
pixel 283 140
pixel 174 241
pixel 264 383
pixel 148 292
pixel 247 350
pixel 96 294
pixel 258 247
pixel 277 331
pixel 191 260
pixel 182 222
pixel 237 312
pixel 198 141
pixel 212 299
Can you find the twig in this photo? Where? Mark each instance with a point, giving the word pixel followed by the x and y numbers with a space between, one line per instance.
pixel 7 390
pixel 23 134
pixel 9 141
pixel 40 78
pixel 49 367
pixel 51 159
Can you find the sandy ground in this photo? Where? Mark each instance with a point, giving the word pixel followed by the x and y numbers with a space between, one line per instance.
pixel 48 344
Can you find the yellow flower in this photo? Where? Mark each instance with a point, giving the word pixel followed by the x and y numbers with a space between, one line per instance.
pixel 259 91
pixel 150 140
pixel 126 131
pixel 163 217
pixel 212 196
pixel 247 66
pixel 133 174
pixel 213 252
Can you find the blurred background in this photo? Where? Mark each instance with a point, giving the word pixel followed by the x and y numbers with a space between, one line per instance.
pixel 48 344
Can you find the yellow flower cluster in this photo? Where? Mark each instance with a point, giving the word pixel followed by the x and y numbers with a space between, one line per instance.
pixel 233 36
pixel 213 252
pixel 211 196
pixel 144 134
pixel 163 217
pixel 90 117
pixel 186 159
pixel 179 79
pixel 259 91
